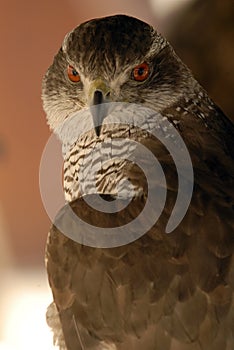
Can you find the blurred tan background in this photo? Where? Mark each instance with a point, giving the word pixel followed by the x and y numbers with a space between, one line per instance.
pixel 31 33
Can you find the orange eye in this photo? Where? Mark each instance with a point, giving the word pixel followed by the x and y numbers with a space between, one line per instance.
pixel 141 72
pixel 73 75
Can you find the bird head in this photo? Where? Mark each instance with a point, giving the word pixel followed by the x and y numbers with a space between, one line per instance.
pixel 112 59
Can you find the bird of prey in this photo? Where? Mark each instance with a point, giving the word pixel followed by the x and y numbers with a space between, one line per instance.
pixel 162 291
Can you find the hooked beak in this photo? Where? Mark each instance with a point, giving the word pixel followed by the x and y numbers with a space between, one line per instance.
pixel 99 97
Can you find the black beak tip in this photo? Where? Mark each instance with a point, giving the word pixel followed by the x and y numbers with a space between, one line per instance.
pixel 98 130
pixel 99 110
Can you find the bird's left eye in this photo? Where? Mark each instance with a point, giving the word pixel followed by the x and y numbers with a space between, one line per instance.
pixel 141 72
pixel 73 75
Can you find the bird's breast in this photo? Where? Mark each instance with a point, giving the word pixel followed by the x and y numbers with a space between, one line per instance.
pixel 103 165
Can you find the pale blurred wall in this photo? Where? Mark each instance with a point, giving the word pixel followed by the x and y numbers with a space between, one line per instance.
pixel 30 35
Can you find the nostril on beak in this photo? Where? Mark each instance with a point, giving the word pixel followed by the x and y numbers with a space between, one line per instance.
pixel 98 97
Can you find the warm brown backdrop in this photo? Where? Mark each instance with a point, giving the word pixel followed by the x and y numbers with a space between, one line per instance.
pixel 30 34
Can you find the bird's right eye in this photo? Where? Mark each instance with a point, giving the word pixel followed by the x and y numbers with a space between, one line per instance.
pixel 72 74
pixel 141 72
